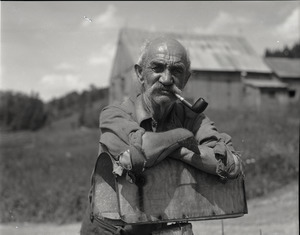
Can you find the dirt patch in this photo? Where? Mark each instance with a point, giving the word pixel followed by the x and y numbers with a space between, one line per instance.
pixel 39 229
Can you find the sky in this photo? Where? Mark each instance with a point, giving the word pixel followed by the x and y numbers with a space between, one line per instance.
pixel 55 47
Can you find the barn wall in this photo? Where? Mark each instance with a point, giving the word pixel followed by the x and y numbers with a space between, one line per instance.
pixel 122 86
pixel 225 90
pixel 220 90
pixel 272 100
pixel 264 99
pixel 251 97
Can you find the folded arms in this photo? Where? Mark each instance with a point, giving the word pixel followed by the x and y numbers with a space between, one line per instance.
pixel 135 149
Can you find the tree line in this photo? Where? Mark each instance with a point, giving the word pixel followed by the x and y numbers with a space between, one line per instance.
pixel 20 111
pixel 286 52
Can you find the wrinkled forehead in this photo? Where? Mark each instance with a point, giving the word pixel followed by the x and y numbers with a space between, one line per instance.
pixel 168 49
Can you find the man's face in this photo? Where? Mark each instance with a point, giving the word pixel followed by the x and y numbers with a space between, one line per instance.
pixel 165 65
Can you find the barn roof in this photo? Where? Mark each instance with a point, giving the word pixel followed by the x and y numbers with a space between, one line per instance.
pixel 284 67
pixel 207 52
pixel 264 83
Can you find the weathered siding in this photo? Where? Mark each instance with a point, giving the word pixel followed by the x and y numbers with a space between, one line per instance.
pixel 251 97
pixel 264 99
pixel 273 99
pixel 224 90
pixel 122 86
pixel 220 90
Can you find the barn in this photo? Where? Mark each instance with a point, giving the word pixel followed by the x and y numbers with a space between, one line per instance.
pixel 226 71
pixel 288 71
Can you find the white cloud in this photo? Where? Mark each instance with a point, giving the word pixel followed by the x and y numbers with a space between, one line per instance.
pixel 105 56
pixel 107 19
pixel 224 23
pixel 64 66
pixel 290 27
pixel 152 28
pixel 97 60
pixel 55 85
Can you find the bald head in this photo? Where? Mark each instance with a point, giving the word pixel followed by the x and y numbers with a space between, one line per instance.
pixel 166 46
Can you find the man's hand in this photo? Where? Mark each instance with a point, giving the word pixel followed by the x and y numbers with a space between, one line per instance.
pixel 229 167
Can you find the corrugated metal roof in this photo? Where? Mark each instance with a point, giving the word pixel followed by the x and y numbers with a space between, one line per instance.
pixel 264 83
pixel 284 67
pixel 207 52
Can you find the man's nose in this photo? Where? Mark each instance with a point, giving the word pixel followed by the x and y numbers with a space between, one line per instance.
pixel 166 78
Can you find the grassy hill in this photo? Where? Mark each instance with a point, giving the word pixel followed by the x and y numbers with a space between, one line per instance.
pixel 45 175
pixel 77 109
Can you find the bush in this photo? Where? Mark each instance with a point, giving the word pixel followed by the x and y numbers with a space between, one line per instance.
pixel 19 111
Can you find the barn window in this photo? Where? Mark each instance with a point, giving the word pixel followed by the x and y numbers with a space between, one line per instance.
pixel 271 93
pixel 292 93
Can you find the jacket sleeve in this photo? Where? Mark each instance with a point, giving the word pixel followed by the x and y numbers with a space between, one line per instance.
pixel 216 151
pixel 121 135
pixel 132 147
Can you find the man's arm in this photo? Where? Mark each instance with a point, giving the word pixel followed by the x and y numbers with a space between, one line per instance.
pixel 227 167
pixel 132 147
pixel 218 147
pixel 217 155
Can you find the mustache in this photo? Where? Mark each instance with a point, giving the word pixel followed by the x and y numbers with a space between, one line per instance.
pixel 172 88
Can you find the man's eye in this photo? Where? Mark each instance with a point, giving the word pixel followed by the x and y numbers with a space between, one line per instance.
pixel 158 68
pixel 177 71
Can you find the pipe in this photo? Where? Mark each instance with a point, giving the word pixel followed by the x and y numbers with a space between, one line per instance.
pixel 198 107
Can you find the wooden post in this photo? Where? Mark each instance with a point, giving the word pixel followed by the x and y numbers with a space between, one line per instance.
pixel 222 227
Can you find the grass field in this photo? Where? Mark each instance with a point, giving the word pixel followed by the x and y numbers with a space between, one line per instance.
pixel 45 175
pixel 276 213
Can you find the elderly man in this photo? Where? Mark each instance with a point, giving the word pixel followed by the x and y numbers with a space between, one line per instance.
pixel 153 125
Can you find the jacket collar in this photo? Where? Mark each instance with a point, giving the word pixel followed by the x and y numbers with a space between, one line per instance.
pixel 141 113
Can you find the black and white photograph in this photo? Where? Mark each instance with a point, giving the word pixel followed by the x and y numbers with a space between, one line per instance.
pixel 149 117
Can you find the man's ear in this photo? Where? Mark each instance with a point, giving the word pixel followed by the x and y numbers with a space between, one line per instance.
pixel 138 70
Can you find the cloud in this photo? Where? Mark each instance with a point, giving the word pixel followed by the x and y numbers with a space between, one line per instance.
pixel 105 56
pixel 290 27
pixel 224 23
pixel 107 19
pixel 64 66
pixel 152 28
pixel 55 85
pixel 97 60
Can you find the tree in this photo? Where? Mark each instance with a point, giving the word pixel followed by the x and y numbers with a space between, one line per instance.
pixel 21 112
pixel 286 52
